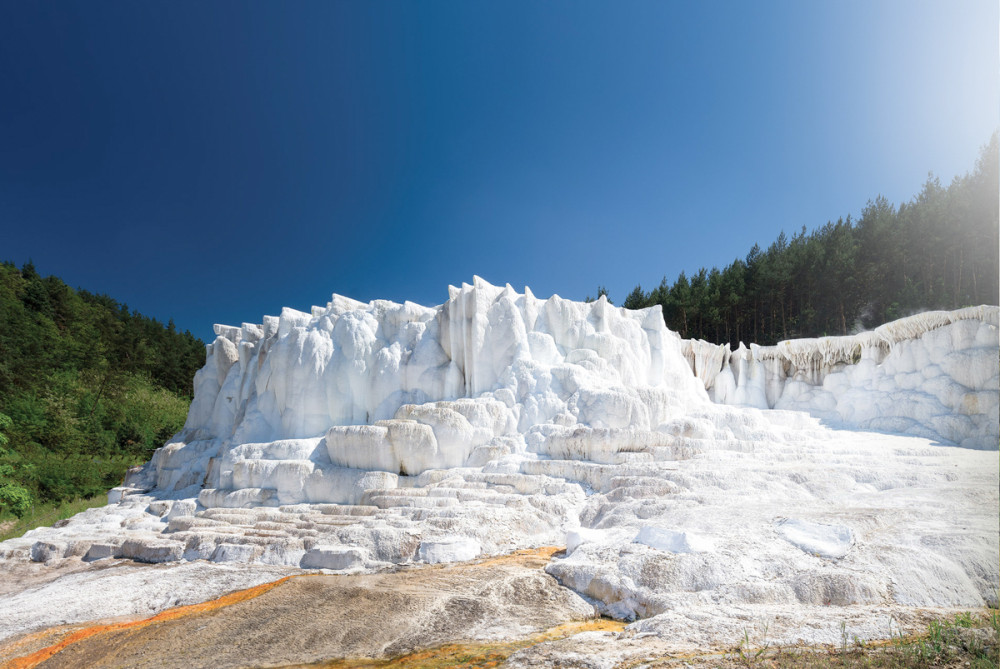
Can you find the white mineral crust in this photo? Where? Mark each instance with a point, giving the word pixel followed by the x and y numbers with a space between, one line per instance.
pixel 932 375
pixel 360 436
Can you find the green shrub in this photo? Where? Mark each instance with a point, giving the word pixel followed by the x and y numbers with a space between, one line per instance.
pixel 14 498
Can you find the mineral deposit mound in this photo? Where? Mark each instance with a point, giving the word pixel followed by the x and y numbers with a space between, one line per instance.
pixel 820 487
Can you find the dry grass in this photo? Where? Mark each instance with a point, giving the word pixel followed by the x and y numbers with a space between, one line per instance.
pixel 46 515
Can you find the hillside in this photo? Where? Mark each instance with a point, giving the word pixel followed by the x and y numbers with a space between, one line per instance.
pixel 938 251
pixel 88 388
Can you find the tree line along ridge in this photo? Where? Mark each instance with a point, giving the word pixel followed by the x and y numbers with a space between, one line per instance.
pixel 938 251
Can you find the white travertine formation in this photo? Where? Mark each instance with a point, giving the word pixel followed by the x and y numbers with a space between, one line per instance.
pixel 933 375
pixel 360 436
pixel 355 364
pixel 291 410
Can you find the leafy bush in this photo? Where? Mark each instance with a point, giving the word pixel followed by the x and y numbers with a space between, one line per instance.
pixel 14 498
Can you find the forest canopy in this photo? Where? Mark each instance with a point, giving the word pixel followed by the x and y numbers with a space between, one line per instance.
pixel 938 251
pixel 87 388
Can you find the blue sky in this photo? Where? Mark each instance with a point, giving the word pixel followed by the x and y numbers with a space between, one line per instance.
pixel 213 162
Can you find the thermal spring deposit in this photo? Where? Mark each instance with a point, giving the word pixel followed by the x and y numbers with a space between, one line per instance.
pixel 812 489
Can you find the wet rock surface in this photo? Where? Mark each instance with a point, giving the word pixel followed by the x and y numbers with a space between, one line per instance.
pixel 320 617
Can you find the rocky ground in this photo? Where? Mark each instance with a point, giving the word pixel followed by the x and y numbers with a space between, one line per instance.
pixel 311 618
pixel 498 611
pixel 785 545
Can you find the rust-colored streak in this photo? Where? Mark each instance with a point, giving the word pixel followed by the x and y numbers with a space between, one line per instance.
pixel 36 658
pixel 39 647
pixel 483 655
pixel 525 556
pixel 39 639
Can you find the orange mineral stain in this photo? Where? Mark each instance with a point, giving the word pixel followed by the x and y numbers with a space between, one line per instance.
pixel 36 658
pixel 484 655
pixel 522 556
pixel 479 655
